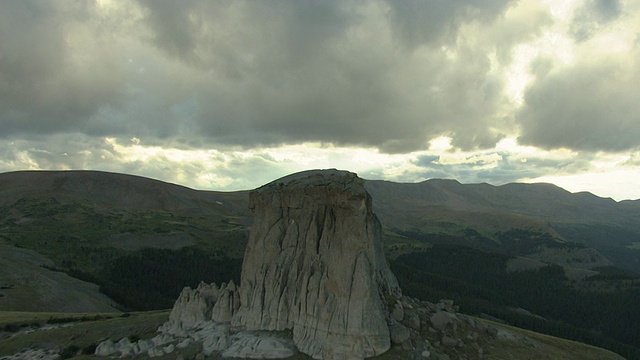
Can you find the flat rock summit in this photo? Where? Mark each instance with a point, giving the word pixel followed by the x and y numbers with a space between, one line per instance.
pixel 314 264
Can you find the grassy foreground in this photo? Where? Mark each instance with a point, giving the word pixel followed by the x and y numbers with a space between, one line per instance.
pixel 536 346
pixel 73 333
pixel 76 336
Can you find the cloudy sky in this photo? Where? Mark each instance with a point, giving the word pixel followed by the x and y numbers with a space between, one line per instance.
pixel 229 95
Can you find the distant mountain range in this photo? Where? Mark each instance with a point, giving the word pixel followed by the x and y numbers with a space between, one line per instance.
pixel 476 215
pixel 483 216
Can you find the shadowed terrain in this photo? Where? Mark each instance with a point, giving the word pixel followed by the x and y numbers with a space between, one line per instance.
pixel 142 240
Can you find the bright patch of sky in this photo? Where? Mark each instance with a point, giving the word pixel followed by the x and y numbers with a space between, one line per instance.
pixel 229 96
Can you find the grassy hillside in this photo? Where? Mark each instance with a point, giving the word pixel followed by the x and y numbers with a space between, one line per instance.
pixel 478 215
pixel 542 201
pixel 600 310
pixel 77 335
pixel 81 218
pixel 102 227
pixel 72 335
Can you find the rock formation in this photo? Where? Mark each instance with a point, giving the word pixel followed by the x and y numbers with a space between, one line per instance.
pixel 227 304
pixel 314 264
pixel 192 307
pixel 207 302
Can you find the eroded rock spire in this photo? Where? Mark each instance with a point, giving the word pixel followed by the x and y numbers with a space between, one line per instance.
pixel 315 264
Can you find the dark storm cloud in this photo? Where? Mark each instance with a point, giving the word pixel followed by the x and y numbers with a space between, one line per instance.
pixel 331 71
pixel 31 51
pixel 591 106
pixel 223 34
pixel 608 9
pixel 418 22
pixel 592 15
pixel 372 73
pixel 175 29
pixel 42 89
pixel 288 71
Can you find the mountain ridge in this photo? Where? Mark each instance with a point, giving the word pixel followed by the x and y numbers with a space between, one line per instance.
pixel 440 206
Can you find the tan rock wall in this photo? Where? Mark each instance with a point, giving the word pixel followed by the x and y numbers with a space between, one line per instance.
pixel 314 264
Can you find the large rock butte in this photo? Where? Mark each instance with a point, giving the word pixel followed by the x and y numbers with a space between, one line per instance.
pixel 315 264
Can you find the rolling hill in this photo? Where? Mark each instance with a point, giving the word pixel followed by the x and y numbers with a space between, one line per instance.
pixel 82 220
pixel 485 216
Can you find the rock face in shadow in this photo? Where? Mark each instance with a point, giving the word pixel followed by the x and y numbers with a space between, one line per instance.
pixel 207 302
pixel 314 264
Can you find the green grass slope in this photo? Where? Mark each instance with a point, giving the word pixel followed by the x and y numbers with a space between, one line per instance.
pixel 77 335
pixel 478 214
pixel 28 284
pixel 72 335
pixel 102 227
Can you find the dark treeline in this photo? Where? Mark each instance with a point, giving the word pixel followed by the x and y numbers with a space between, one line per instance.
pixel 480 283
pixel 511 242
pixel 151 279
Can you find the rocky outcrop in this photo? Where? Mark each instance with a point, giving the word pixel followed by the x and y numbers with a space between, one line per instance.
pixel 250 346
pixel 314 264
pixel 192 308
pixel 212 339
pixel 314 267
pixel 207 302
pixel 227 304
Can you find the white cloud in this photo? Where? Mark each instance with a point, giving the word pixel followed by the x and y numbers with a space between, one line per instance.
pixel 618 184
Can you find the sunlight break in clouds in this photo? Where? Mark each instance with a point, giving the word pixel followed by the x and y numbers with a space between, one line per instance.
pixel 230 95
pixel 220 170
